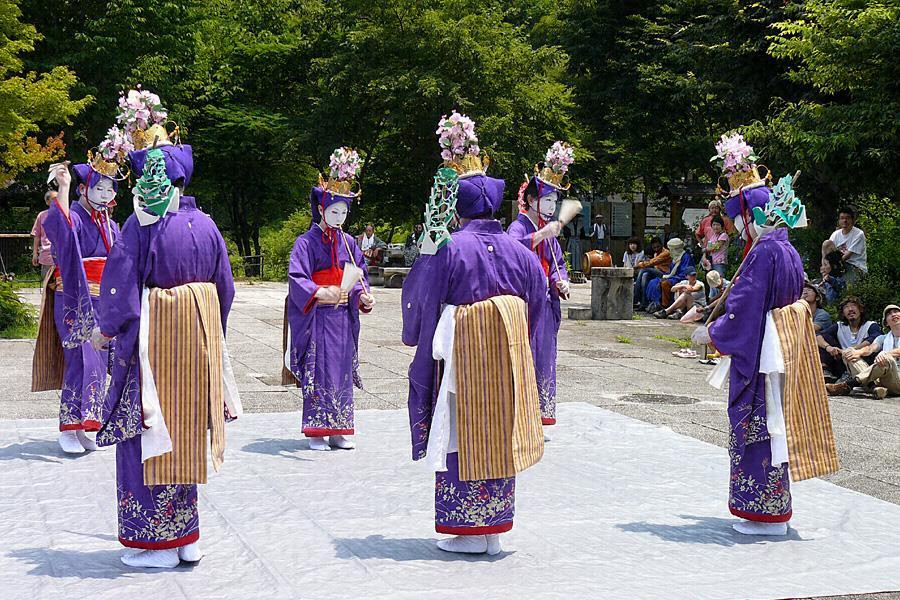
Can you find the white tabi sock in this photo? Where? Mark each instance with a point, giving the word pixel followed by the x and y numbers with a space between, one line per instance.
pixel 318 443
pixel 68 441
pixel 493 544
pixel 546 435
pixel 153 559
pixel 464 544
pixel 190 553
pixel 341 442
pixel 87 441
pixel 757 528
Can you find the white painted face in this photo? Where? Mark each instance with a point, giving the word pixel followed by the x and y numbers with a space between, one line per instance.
pixel 547 206
pixel 336 214
pixel 101 194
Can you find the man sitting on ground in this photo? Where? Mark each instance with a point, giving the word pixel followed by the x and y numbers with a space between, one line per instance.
pixel 688 293
pixel 815 297
pixel 836 343
pixel 884 373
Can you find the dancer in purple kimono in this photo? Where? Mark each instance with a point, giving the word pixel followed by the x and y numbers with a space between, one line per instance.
pixel 479 262
pixel 323 318
pixel 81 236
pixel 536 229
pixel 771 277
pixel 174 245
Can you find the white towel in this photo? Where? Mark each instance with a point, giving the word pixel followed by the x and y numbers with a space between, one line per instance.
pixel 442 435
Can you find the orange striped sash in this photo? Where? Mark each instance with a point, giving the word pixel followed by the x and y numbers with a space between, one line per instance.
pixel 185 351
pixel 497 409
pixel 810 439
pixel 47 364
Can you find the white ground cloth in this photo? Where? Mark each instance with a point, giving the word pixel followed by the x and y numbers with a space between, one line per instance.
pixel 646 506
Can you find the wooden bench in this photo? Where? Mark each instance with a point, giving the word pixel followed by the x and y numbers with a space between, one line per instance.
pixel 394 276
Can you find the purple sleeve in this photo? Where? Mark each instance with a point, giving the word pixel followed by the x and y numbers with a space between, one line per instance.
pixel 301 288
pixel 560 260
pixel 518 233
pixel 121 286
pixel 535 297
pixel 739 330
pixel 360 261
pixel 224 280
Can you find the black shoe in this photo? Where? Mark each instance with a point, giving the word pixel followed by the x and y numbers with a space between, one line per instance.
pixel 661 314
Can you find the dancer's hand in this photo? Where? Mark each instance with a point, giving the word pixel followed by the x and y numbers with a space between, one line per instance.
pixel 701 335
pixel 330 294
pixel 367 301
pixel 562 286
pixel 550 230
pixel 98 340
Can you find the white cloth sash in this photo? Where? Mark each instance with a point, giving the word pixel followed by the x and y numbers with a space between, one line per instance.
pixel 442 435
pixel 771 364
pixel 155 439
pixel 890 342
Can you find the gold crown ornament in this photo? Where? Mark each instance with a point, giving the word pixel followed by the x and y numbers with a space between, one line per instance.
pixel 742 179
pixel 340 187
pixel 551 177
pixel 111 169
pixel 155 135
pixel 469 165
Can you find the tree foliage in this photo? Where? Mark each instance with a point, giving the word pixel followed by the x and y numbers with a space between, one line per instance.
pixel 29 101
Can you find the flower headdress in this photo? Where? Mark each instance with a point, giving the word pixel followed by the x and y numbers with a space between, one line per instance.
pixel 109 157
pixel 557 161
pixel 737 161
pixel 459 145
pixel 344 166
pixel 142 116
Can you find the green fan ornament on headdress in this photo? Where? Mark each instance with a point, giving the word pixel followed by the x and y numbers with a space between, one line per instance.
pixel 154 191
pixel 440 211
pixel 783 207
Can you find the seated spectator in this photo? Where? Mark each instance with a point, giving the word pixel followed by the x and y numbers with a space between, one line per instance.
pixel 371 245
pixel 413 238
pixel 883 374
pixel 715 251
pixel 832 279
pixel 656 265
pixel 633 253
pixel 688 293
pixel 837 343
pixel 815 298
pixel 717 286
pixel 850 241
pixel 659 291
pixel 704 228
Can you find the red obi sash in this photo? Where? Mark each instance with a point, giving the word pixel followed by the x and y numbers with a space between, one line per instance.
pixel 93 269
pixel 327 277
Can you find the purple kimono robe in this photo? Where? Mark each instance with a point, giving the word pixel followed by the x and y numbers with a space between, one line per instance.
pixel 324 339
pixel 771 278
pixel 74 239
pixel 548 251
pixel 180 248
pixel 481 262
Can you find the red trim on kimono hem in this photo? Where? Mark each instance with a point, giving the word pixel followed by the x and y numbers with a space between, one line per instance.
pixel 761 518
pixel 312 302
pixel 487 530
pixel 65 213
pixel 324 432
pixel 548 420
pixel 164 545
pixel 91 425
pixel 71 427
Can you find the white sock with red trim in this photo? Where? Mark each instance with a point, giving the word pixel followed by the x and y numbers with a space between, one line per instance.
pixel 153 559
pixel 318 443
pixel 758 528
pixel 68 441
pixel 464 544
pixel 341 442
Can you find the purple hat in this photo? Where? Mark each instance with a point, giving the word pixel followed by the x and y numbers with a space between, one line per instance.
pixel 747 199
pixel 179 163
pixel 318 196
pixel 545 188
pixel 478 195
pixel 84 173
